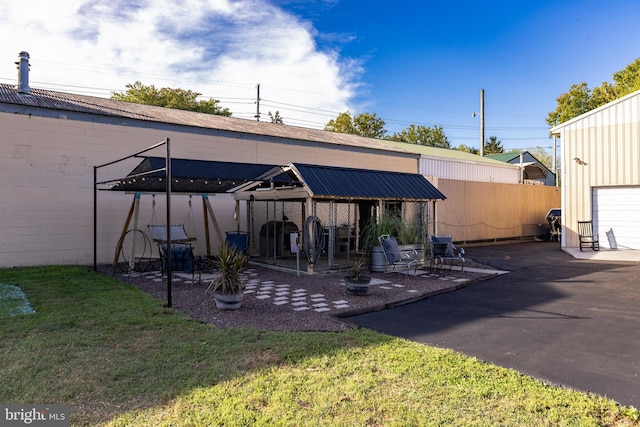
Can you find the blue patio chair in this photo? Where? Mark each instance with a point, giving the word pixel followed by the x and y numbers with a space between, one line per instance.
pixel 443 251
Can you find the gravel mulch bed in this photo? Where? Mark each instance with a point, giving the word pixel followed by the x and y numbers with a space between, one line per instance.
pixel 283 301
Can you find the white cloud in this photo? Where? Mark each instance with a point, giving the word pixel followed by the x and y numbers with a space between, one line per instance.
pixel 221 48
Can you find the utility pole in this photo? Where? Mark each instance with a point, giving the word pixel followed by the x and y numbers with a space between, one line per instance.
pixel 258 103
pixel 482 122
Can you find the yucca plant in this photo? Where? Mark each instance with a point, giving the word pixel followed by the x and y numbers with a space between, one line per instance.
pixel 357 268
pixel 230 262
pixel 357 283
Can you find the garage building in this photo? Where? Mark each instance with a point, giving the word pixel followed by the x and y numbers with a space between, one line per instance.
pixel 600 173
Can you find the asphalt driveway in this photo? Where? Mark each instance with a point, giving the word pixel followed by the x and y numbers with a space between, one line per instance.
pixel 569 322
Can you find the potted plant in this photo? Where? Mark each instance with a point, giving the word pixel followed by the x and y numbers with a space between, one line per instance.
pixel 356 282
pixel 408 233
pixel 228 289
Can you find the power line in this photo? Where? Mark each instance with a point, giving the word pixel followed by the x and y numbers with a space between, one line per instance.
pixel 311 109
pixel 296 108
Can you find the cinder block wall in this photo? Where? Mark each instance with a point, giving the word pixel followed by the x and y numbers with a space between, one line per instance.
pixel 47 165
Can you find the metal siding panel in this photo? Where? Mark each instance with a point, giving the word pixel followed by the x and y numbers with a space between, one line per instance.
pixel 465 171
pixel 608 140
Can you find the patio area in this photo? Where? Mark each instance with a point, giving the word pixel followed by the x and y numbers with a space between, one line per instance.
pixel 276 300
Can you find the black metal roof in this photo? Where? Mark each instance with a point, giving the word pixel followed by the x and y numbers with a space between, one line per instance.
pixel 196 176
pixel 349 183
pixel 206 176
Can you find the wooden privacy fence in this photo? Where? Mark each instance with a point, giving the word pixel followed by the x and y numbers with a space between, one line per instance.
pixel 484 211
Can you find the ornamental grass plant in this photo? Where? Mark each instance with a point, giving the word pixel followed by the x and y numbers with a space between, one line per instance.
pixel 229 263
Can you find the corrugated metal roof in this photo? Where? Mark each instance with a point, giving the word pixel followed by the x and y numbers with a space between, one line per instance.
pixel 446 153
pixel 40 98
pixel 196 176
pixel 204 176
pixel 349 183
pixel 504 157
pixel 60 101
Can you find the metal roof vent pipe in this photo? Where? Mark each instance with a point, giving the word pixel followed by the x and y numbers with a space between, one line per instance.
pixel 23 72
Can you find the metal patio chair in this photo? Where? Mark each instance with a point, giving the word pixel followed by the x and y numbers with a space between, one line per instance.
pixel 442 250
pixel 395 257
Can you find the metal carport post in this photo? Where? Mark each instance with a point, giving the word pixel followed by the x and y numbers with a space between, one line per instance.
pixel 167 170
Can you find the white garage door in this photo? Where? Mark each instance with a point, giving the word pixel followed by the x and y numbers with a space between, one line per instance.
pixel 617 210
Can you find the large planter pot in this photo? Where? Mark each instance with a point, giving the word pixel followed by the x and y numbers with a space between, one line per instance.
pixel 228 301
pixel 358 286
pixel 377 261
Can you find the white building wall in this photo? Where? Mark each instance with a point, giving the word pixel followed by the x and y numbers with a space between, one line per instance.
pixel 601 148
pixel 46 170
pixel 468 171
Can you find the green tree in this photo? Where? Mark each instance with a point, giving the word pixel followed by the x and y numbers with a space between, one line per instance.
pixel 467 149
pixel 179 99
pixel 364 124
pixel 493 146
pixel 571 104
pixel 580 99
pixel 276 118
pixel 603 94
pixel 543 156
pixel 423 135
pixel 628 80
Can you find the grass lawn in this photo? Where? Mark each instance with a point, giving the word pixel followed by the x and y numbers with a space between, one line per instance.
pixel 120 358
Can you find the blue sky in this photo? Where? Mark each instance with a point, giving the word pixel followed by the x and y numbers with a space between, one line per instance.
pixel 418 63
pixel 426 62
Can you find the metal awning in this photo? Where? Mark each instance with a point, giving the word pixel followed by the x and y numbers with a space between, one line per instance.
pixel 199 176
pixel 349 183
pixel 294 181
